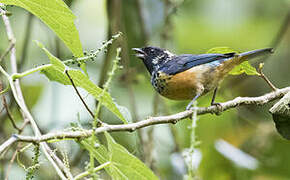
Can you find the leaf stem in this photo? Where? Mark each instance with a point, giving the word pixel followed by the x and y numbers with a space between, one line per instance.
pixel 86 173
pixel 96 120
pixel 84 103
pixel 262 75
pixel 28 72
pixel 193 145
pixel 94 54
pixel 107 84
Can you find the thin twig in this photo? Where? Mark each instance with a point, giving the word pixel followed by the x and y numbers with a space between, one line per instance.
pixel 113 10
pixel 79 95
pixel 8 143
pixel 11 162
pixel 8 110
pixel 86 173
pixel 11 45
pixel 18 96
pixel 9 114
pixel 191 174
pixel 95 53
pixel 238 101
pixel 262 75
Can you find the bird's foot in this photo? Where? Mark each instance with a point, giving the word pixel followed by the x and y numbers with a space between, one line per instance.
pixel 219 108
pixel 188 107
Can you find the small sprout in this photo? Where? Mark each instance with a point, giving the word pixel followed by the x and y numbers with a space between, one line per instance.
pixel 262 75
pixel 261 65
pixel 8 13
pixel 97 145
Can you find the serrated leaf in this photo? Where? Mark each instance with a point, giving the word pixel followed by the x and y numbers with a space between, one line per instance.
pixel 56 15
pixel 123 165
pixel 56 72
pixel 100 153
pixel 125 112
pixel 244 67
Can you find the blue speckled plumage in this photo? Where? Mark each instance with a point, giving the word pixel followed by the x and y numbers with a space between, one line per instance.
pixel 188 76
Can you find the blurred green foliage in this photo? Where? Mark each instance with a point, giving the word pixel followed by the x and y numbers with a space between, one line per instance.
pixel 196 27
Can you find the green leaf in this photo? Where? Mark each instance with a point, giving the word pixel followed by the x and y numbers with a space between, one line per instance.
pixel 56 72
pixel 56 15
pixel 100 153
pixel 244 67
pixel 32 93
pixel 221 50
pixel 123 164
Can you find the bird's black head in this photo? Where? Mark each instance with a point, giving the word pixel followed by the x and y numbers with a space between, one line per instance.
pixel 153 57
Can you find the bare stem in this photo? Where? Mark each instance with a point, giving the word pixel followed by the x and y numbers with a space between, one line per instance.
pixel 193 145
pixel 86 173
pixel 79 95
pixel 262 75
pixel 18 96
pixel 238 101
pixel 11 45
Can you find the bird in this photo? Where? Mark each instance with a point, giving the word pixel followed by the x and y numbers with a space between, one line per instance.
pixel 189 76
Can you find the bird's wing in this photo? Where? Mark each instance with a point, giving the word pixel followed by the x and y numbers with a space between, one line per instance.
pixel 186 61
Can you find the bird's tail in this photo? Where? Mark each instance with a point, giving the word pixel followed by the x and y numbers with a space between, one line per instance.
pixel 227 66
pixel 255 53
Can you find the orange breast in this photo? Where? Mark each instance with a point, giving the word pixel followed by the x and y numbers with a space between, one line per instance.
pixel 185 85
pixel 199 79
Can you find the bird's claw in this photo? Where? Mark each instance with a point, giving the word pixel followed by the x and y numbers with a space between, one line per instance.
pixel 219 108
pixel 188 107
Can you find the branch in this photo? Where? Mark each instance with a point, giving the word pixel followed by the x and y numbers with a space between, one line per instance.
pixel 79 95
pixel 262 75
pixel 95 53
pixel 86 173
pixel 239 101
pixel 18 96
pixel 11 45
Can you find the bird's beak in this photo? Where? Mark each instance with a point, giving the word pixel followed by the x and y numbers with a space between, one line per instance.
pixel 139 53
